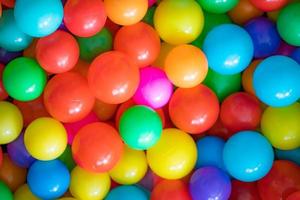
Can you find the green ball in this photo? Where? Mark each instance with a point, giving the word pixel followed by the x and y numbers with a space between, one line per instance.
pixel 288 24
pixel 149 16
pixel 140 127
pixel 5 193
pixel 67 158
pixel 24 79
pixel 223 85
pixel 217 6
pixel 91 47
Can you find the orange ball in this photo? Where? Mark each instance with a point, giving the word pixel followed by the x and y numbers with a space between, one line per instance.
pixel 1 156
pixel 247 77
pixel 140 41
pixel 104 111
pixel 126 12
pixel 30 51
pixel 81 67
pixel 113 77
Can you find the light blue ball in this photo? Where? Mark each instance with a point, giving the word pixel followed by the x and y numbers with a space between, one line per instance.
pixel 48 179
pixel 11 36
pixel 276 81
pixel 127 192
pixel 248 156
pixel 291 155
pixel 210 152
pixel 228 48
pixel 38 18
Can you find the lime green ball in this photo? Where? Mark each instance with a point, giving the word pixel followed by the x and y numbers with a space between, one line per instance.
pixel 24 79
pixel 217 6
pixel 140 127
pixel 67 158
pixel 5 193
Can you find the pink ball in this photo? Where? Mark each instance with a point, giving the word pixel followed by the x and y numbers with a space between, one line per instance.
pixel 155 89
pixel 73 128
pixel 151 2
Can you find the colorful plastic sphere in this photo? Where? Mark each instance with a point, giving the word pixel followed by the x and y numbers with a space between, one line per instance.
pixel 24 193
pixel 244 190
pixel 210 152
pixel 294 196
pixel 288 24
pixel 210 183
pixel 248 156
pixel 68 98
pixel 216 6
pixel 11 37
pixel 285 49
pixel 265 37
pixel 39 19
pixel 178 22
pixel 122 192
pixel 11 123
pixel 186 66
pixel 5 193
pixel 84 18
pixel 229 49
pixel 247 77
pixel 165 49
pixel 273 85
pixel 45 138
pixel 296 55
pixel 281 126
pixel 126 12
pixel 58 52
pixel 67 158
pixel 91 47
pixel 174 155
pixel 155 89
pixel 140 41
pixel 48 179
pixel 105 111
pixel 119 73
pixel 291 155
pixel 131 168
pixel 171 190
pixel 24 79
pixel 88 185
pixel 97 147
pixel 149 17
pixel 267 5
pixel 194 110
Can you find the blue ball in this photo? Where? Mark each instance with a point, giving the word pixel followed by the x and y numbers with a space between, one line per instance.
pixel 291 155
pixel 276 81
pixel 296 55
pixel 127 192
pixel 265 37
pixel 48 179
pixel 210 152
pixel 248 156
pixel 38 18
pixel 11 36
pixel 228 48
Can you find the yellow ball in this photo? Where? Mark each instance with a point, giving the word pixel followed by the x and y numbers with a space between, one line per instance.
pixel 88 185
pixel 282 126
pixel 11 122
pixel 131 168
pixel 174 155
pixel 178 22
pixel 24 193
pixel 45 138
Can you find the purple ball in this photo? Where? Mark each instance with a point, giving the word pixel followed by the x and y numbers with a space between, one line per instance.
pixel 210 183
pixel 7 56
pixel 285 49
pixel 18 154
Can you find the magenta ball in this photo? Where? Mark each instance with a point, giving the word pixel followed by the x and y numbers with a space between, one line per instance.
pixel 151 2
pixel 155 89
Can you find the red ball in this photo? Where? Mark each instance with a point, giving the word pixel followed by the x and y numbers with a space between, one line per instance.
pixel 67 97
pixel 269 5
pixel 97 147
pixel 58 52
pixel 219 130
pixel 244 191
pixel 240 111
pixel 294 196
pixel 194 110
pixel 171 190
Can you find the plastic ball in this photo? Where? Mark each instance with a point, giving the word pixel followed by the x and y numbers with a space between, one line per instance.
pixel 5 192
pixel 97 147
pixel 294 196
pixel 105 111
pixel 30 51
pixel 244 164
pixel 11 37
pixel 126 12
pixel 216 6
pixel 58 52
pixel 275 86
pixel 296 55
pixel 165 49
pixel 84 18
pixel 7 56
pixel 247 77
pixel 210 183
pixel 171 190
pixel 186 66
pixel 67 158
pixel 140 41
pixel 291 155
pixel 48 179
pixel 228 48
pixel 288 24
pixel 88 185
pixel 285 49
pixel 67 97
pixel 39 19
pixel 267 5
pixel 174 155
pixel 11 123
pixel 119 73
pixel 131 168
pixel 281 126
pixel 178 22
pixel 121 192
pixel 194 110
pixel 148 18
pixel 244 190
pixel 24 79
pixel 45 138
pixel 24 193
